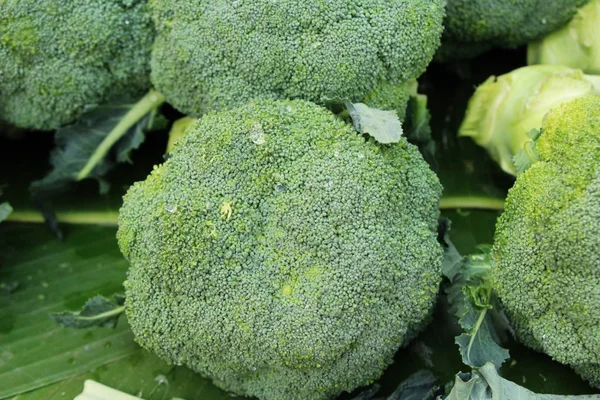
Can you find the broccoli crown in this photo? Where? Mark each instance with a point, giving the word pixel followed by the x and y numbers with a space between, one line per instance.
pixel 218 54
pixel 472 26
pixel 57 57
pixel 280 253
pixel 547 244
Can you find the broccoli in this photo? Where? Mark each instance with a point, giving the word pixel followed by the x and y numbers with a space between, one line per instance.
pixel 576 45
pixel 57 58
pixel 505 109
pixel 474 26
pixel 280 253
pixel 212 55
pixel 546 252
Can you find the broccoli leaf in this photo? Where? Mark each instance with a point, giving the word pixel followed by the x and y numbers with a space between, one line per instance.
pixel 479 343
pixel 452 259
pixel 419 386
pixel 486 384
pixel 97 311
pixel 527 156
pixel 384 126
pixel 83 150
pixel 473 301
pixel 417 127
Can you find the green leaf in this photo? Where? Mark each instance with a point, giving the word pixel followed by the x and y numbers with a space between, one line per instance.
pixel 480 342
pixel 384 126
pixel 97 311
pixel 417 127
pixel 486 384
pixel 83 149
pixel 472 300
pixel 419 386
pixel 37 353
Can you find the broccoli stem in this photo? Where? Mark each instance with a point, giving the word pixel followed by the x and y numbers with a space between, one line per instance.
pixel 595 81
pixel 475 202
pixel 149 102
pixel 109 218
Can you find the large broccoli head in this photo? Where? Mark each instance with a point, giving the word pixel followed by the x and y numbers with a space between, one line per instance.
pixel 280 253
pixel 58 57
pixel 473 26
pixel 221 53
pixel 547 245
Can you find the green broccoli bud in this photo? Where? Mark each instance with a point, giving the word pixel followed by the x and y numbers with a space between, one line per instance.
pixel 576 45
pixel 505 109
pixel 280 253
pixel 547 244
pixel 474 26
pixel 212 55
pixel 58 58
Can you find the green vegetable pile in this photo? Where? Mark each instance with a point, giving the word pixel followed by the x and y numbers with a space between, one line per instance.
pixel 304 200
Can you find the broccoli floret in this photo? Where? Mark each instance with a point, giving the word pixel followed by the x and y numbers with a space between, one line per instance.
pixel 59 57
pixel 473 26
pixel 504 109
pixel 576 45
pixel 219 54
pixel 280 253
pixel 547 244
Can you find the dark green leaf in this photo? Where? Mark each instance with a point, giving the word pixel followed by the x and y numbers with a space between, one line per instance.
pixel 472 300
pixel 102 137
pixel 419 386
pixel 36 353
pixel 97 311
pixel 383 126
pixel 417 127
pixel 479 344
pixel 452 259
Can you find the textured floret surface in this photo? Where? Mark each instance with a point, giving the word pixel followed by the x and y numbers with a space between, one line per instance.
pixel 221 53
pixel 57 58
pixel 280 253
pixel 547 246
pixel 472 26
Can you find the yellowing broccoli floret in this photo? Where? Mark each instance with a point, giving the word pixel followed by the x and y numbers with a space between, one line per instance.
pixel 547 245
pixel 219 54
pixel 57 58
pixel 280 253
